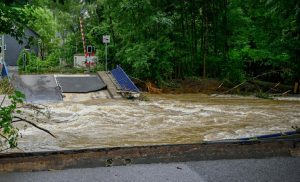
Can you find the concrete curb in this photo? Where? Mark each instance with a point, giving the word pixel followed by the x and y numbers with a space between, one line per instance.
pixel 87 158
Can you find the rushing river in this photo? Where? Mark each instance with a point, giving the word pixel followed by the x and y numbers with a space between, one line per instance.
pixel 165 119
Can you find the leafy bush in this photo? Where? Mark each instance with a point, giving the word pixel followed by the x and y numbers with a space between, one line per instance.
pixel 50 65
pixel 12 113
pixel 149 59
pixel 8 132
pixel 53 58
pixel 30 58
pixel 234 70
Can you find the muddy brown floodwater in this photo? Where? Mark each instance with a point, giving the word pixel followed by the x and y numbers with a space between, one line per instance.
pixel 165 119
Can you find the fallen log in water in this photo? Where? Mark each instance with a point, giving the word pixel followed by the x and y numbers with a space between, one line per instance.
pixel 271 87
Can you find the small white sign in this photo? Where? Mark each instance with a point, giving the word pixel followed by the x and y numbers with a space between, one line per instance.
pixel 106 39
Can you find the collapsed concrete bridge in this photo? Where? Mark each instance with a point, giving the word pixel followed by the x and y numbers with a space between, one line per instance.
pixel 50 88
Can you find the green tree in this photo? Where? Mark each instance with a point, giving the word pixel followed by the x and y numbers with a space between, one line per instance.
pixel 43 22
pixel 160 40
pixel 12 19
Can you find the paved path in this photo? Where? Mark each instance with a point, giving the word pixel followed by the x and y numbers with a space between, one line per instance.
pixel 256 170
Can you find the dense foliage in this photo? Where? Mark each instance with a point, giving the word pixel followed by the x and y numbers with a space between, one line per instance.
pixel 12 19
pixel 8 132
pixel 161 40
pixel 222 38
pixel 34 64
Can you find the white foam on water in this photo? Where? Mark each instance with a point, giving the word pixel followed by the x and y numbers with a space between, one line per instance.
pixel 103 123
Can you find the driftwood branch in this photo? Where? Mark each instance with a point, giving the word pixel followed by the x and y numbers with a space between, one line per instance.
pixel 220 85
pixel 35 108
pixel 273 88
pixel 281 94
pixel 5 149
pixel 286 92
pixel 19 119
pixel 253 78
pixel 3 100
pixel 6 139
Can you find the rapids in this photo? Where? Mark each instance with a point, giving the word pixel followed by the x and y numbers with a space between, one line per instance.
pixel 165 119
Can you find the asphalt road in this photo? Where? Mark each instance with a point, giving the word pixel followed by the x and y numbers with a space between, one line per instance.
pixel 256 170
pixel 80 83
pixel 38 88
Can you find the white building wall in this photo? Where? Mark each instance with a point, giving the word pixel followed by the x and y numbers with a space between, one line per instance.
pixel 79 60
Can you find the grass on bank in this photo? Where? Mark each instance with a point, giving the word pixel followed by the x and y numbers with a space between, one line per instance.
pixel 6 87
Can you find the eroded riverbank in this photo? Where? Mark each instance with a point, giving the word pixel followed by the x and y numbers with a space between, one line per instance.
pixel 165 119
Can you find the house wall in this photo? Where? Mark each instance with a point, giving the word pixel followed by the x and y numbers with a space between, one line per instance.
pixel 13 48
pixel 1 50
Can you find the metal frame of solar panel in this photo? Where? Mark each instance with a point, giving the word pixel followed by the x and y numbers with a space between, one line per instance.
pixel 123 80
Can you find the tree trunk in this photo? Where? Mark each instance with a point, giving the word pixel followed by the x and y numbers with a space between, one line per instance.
pixel 194 37
pixel 226 47
pixel 205 53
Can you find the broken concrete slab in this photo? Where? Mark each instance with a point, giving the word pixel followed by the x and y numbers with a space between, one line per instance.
pixel 112 87
pixel 38 88
pixel 80 97
pixel 80 83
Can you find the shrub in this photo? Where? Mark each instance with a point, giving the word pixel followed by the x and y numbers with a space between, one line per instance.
pixel 6 87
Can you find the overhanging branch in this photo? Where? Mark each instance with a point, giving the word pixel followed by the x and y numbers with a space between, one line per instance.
pixel 19 119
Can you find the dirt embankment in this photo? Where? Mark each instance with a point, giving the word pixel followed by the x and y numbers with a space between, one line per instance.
pixel 214 86
pixel 207 86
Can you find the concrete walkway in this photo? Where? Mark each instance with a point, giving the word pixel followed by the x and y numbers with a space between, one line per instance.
pixel 256 170
pixel 111 86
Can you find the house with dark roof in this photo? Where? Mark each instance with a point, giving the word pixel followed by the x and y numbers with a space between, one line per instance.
pixel 10 48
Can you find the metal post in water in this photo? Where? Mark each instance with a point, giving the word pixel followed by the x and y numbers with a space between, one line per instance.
pixel 106 40
pixel 106 50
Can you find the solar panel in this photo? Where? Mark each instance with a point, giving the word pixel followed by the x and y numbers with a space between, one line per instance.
pixel 123 80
